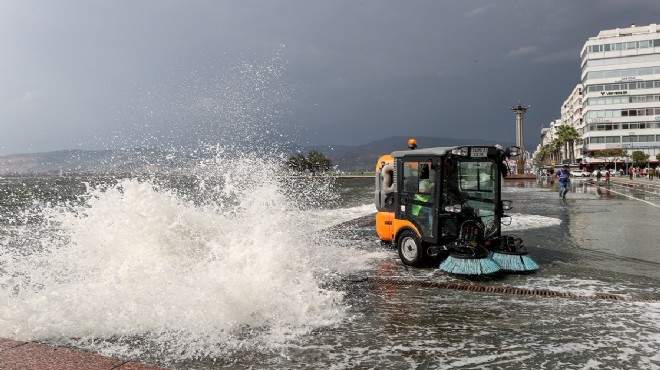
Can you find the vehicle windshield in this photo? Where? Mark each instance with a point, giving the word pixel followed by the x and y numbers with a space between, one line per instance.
pixel 477 183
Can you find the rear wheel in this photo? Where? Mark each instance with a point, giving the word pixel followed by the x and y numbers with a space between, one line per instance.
pixel 411 250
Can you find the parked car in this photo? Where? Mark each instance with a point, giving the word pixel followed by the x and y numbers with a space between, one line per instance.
pixel 579 173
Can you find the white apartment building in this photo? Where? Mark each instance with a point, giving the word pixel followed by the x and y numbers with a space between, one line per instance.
pixel 571 114
pixel 548 134
pixel 621 91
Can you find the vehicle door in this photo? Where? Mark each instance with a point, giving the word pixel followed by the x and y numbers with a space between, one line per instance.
pixel 451 212
pixel 418 195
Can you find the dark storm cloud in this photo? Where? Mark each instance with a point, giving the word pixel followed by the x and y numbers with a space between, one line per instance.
pixel 93 73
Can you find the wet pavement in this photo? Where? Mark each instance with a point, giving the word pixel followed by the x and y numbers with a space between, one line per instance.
pixel 15 355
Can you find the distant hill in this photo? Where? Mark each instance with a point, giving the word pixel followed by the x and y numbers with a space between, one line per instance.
pixel 360 158
pixel 139 160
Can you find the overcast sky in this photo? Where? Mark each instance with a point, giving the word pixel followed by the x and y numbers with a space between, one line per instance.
pixel 101 74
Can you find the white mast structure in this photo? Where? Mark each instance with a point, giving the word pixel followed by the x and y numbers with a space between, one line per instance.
pixel 520 111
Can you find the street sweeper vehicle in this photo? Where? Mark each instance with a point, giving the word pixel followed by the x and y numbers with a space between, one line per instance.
pixel 444 206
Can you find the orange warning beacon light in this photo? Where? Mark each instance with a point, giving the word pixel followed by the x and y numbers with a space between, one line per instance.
pixel 412 144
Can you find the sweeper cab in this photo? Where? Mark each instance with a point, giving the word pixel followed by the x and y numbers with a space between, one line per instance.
pixel 444 206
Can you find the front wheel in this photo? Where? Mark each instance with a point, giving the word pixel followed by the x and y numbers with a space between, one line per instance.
pixel 411 250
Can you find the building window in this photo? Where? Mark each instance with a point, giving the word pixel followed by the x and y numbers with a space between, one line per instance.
pixel 596 74
pixel 624 86
pixel 618 100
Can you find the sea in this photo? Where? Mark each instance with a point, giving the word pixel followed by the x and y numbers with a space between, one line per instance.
pixel 233 265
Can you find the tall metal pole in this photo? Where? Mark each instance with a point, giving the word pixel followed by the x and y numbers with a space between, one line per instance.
pixel 520 111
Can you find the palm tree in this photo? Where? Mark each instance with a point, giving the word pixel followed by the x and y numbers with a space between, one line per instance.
pixel 567 136
pixel 539 156
pixel 555 146
pixel 546 151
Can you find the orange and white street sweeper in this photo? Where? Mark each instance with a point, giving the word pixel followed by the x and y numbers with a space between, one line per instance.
pixel 443 206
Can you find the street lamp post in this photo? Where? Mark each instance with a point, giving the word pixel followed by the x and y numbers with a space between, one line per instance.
pixel 632 148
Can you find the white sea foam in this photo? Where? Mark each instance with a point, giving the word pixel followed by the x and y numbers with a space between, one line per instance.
pixel 527 221
pixel 237 262
pixel 324 218
pixel 140 260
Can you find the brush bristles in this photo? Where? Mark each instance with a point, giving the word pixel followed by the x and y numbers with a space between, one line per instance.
pixel 515 262
pixel 474 266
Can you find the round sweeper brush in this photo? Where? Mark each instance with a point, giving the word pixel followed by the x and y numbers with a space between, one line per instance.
pixel 468 256
pixel 510 253
pixel 466 264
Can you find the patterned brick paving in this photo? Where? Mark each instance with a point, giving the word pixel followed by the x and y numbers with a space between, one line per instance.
pixel 16 355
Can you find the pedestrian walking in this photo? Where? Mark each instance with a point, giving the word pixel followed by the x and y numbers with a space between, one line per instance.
pixel 563 174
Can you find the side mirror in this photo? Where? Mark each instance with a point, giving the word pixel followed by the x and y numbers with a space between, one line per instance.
pixel 507 205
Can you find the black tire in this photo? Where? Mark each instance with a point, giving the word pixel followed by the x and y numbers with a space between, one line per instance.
pixel 411 250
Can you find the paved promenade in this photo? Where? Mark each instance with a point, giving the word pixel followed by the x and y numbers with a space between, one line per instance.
pixel 16 355
pixel 635 182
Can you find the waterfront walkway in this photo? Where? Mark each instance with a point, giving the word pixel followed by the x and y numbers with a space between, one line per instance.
pixel 15 355
pixel 640 183
pixel 635 182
